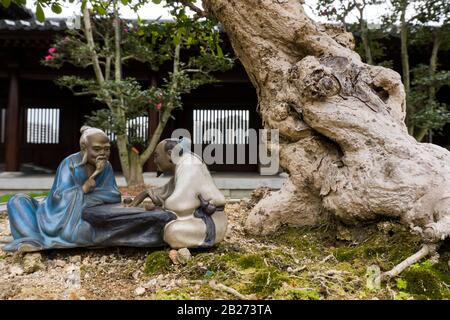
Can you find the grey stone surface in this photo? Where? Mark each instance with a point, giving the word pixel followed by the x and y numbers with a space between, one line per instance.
pixel 32 262
pixel 233 185
pixel 183 255
pixel 239 194
pixel 228 180
pixel 11 174
pixel 226 192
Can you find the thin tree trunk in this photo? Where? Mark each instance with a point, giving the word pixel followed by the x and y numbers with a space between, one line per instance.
pixel 432 90
pixel 405 66
pixel 365 37
pixel 433 65
pixel 122 146
pixel 117 46
pixel 421 133
pixel 366 43
pixel 343 139
pixel 135 177
pixel 129 169
pixel 167 111
pixel 156 136
pixel 91 46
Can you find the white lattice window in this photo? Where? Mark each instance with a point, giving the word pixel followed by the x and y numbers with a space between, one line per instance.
pixel 221 126
pixel 43 125
pixel 137 128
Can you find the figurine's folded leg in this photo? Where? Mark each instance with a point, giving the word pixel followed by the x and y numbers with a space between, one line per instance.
pixel 22 216
pixel 23 224
pixel 185 233
pixel 199 231
pixel 115 225
pixel 24 245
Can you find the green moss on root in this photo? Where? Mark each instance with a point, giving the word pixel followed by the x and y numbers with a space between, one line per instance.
pixel 292 265
pixel 427 280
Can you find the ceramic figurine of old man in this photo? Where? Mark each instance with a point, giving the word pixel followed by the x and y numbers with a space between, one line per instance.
pixel 84 209
pixel 191 194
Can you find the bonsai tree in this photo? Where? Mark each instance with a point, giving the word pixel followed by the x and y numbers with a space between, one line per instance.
pixel 343 140
pixel 105 43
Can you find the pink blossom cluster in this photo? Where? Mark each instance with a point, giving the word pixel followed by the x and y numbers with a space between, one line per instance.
pixel 50 56
pixel 157 106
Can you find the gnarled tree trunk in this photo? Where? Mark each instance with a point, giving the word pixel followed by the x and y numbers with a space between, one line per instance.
pixel 344 141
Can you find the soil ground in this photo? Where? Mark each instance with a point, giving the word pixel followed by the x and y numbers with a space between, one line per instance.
pixel 326 262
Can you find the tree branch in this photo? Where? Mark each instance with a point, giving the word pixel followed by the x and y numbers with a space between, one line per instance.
pixel 423 252
pixel 86 93
pixel 108 68
pixel 156 135
pixel 193 7
pixel 122 139
pixel 117 53
pixel 91 45
pixel 224 288
pixel 128 57
pixel 193 70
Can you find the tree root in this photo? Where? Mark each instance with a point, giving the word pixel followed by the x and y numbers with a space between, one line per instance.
pixel 426 250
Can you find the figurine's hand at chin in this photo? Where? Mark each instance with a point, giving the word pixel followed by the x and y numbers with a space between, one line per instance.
pixel 100 163
pixel 89 185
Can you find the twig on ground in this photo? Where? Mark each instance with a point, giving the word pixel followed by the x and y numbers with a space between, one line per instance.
pixel 422 253
pixel 328 257
pixel 224 288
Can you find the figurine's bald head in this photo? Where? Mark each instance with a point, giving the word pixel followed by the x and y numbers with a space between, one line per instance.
pixel 94 145
pixel 163 157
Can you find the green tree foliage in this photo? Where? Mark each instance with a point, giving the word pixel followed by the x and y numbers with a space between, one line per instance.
pixel 427 24
pixel 424 22
pixel 427 80
pixel 340 10
pixel 430 113
pixel 106 43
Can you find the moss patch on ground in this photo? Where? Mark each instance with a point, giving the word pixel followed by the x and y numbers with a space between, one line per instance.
pixel 311 264
pixel 157 262
pixel 327 262
pixel 427 280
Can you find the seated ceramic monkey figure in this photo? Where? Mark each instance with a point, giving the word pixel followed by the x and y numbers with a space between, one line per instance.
pixel 191 194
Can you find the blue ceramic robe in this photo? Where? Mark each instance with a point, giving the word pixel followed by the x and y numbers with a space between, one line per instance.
pixel 57 222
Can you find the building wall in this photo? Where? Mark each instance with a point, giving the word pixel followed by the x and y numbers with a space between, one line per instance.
pixel 37 90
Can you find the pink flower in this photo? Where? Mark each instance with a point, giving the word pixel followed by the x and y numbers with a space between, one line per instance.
pixel 125 30
pixel 52 50
pixel 49 58
pixel 158 106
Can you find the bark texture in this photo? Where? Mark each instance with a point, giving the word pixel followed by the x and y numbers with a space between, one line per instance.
pixel 343 137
